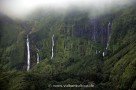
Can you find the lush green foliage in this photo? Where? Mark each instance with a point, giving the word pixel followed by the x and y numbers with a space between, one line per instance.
pixel 12 45
pixel 75 60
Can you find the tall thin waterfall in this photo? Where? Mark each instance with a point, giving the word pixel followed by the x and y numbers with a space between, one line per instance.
pixel 38 58
pixel 103 54
pixel 108 38
pixel 52 46
pixel 108 34
pixel 96 52
pixel 94 33
pixel 28 53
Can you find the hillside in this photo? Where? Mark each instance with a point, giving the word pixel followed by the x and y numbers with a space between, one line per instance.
pixel 71 48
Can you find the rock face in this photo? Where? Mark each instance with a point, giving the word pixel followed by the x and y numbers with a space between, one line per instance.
pixel 95 31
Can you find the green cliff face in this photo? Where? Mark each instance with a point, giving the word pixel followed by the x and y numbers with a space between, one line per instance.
pixel 120 65
pixel 12 44
pixel 79 44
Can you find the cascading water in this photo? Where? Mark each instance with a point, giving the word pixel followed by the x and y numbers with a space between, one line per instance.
pixel 94 33
pixel 52 46
pixel 96 52
pixel 38 58
pixel 103 54
pixel 28 53
pixel 108 34
pixel 108 38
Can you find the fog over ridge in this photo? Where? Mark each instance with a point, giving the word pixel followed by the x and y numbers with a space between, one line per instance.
pixel 22 8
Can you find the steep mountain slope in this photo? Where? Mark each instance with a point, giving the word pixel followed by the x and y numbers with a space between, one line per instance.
pixel 73 49
pixel 121 64
pixel 12 49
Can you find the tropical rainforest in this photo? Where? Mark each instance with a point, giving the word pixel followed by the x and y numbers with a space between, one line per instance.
pixel 73 48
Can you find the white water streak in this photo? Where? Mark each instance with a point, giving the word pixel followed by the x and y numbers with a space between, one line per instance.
pixel 28 53
pixel 38 58
pixel 96 52
pixel 108 35
pixel 103 54
pixel 52 46
pixel 94 34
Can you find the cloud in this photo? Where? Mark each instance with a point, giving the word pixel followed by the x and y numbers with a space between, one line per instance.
pixel 22 8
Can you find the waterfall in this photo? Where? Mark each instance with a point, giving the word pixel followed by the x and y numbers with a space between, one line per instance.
pixel 108 35
pixel 94 34
pixel 38 58
pixel 28 53
pixel 52 46
pixel 96 52
pixel 103 54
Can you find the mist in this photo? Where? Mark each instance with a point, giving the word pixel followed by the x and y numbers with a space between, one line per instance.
pixel 20 9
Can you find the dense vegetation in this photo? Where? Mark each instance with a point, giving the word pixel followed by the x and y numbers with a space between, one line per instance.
pixel 12 44
pixel 77 39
